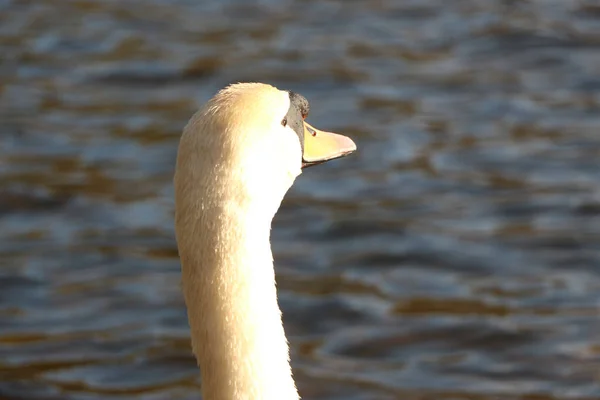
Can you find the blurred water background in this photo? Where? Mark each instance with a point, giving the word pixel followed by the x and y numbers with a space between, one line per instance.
pixel 455 256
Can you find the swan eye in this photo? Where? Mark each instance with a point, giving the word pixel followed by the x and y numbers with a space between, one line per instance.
pixel 284 121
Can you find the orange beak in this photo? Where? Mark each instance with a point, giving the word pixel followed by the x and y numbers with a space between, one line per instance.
pixel 321 146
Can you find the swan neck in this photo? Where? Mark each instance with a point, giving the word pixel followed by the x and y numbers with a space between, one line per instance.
pixel 229 286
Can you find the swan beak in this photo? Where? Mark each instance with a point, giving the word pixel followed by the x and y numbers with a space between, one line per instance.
pixel 321 146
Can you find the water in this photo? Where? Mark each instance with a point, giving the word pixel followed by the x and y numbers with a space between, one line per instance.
pixel 455 256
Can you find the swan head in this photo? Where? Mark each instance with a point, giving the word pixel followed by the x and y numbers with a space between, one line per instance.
pixel 249 143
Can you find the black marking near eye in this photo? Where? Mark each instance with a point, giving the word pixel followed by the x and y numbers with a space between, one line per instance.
pixel 296 114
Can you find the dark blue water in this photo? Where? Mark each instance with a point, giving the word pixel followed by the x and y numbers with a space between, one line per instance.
pixel 456 255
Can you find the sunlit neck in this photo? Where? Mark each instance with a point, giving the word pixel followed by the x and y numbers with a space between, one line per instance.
pixel 232 305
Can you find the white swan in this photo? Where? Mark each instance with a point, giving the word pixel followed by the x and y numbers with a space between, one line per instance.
pixel 238 156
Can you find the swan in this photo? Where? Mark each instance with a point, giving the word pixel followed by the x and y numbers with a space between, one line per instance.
pixel 237 157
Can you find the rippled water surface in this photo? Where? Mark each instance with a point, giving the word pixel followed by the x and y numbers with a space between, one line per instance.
pixel 455 256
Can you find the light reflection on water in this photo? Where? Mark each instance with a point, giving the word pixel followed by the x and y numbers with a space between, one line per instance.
pixel 454 256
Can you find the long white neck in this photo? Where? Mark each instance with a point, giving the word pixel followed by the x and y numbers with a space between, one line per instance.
pixel 229 288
